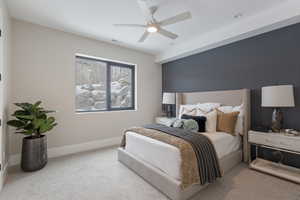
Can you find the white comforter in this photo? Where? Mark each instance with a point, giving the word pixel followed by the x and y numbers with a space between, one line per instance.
pixel 167 157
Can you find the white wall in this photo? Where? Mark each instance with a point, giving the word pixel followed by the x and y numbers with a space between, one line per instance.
pixel 43 69
pixel 5 86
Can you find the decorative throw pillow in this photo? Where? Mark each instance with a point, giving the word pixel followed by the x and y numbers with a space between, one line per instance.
pixel 178 123
pixel 199 119
pixel 191 125
pixel 211 120
pixel 239 128
pixel 227 121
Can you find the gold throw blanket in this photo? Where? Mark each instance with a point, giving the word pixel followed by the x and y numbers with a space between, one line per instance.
pixel 189 166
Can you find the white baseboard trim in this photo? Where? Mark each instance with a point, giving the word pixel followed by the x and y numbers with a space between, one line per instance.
pixel 71 149
pixel 3 175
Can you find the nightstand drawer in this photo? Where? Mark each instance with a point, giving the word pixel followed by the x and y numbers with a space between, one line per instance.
pixel 263 139
pixel 276 140
pixel 290 143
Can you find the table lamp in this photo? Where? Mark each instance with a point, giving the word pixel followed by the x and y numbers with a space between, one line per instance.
pixel 277 97
pixel 169 100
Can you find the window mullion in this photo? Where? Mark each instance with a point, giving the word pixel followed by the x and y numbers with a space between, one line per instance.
pixel 133 87
pixel 108 86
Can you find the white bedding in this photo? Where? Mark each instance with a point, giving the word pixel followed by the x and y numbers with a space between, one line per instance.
pixel 167 157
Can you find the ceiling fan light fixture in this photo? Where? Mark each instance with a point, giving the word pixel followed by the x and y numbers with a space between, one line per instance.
pixel 154 26
pixel 152 29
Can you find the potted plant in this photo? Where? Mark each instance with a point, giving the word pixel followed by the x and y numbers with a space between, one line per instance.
pixel 32 121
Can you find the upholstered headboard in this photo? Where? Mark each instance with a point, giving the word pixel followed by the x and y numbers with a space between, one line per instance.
pixel 225 97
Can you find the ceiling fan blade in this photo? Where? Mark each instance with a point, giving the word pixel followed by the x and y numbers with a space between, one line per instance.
pixel 175 19
pixel 147 11
pixel 131 25
pixel 167 33
pixel 144 36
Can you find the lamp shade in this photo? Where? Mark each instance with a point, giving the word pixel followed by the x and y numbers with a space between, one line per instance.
pixel 278 96
pixel 168 98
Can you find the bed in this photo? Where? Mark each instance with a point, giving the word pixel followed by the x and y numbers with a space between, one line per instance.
pixel 151 158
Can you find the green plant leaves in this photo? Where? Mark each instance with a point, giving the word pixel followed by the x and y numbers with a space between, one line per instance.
pixel 49 111
pixel 37 123
pixel 50 120
pixel 26 132
pixel 32 119
pixel 37 104
pixel 47 124
pixel 16 123
pixel 25 106
pixel 20 112
pixel 26 117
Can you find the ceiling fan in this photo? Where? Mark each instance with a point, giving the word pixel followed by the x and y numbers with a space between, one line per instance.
pixel 154 26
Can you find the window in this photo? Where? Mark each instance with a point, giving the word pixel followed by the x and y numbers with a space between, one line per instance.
pixel 103 85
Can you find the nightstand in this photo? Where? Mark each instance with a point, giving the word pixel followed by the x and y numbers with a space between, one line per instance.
pixel 279 142
pixel 165 120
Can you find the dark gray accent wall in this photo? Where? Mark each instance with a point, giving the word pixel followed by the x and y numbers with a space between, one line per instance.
pixel 268 59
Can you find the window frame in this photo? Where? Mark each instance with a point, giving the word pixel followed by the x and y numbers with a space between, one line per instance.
pixel 109 65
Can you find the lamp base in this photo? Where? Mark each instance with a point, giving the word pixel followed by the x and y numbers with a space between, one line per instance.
pixel 169 110
pixel 277 120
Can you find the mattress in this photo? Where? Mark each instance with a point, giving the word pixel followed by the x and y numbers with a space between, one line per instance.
pixel 167 158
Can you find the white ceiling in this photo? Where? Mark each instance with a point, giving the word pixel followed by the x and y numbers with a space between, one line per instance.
pixel 95 18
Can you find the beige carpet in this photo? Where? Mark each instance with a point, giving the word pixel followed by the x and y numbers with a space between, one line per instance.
pixel 98 175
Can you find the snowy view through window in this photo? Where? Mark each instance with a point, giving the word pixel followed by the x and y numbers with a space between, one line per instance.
pixel 93 85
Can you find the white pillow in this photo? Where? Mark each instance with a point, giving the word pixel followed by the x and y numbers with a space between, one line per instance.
pixel 187 110
pixel 194 110
pixel 226 109
pixel 240 120
pixel 207 107
pixel 211 120
pixel 239 108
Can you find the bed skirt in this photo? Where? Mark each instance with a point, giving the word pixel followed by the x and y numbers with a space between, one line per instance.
pixel 167 185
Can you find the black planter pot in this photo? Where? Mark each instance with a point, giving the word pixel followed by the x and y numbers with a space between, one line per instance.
pixel 34 153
